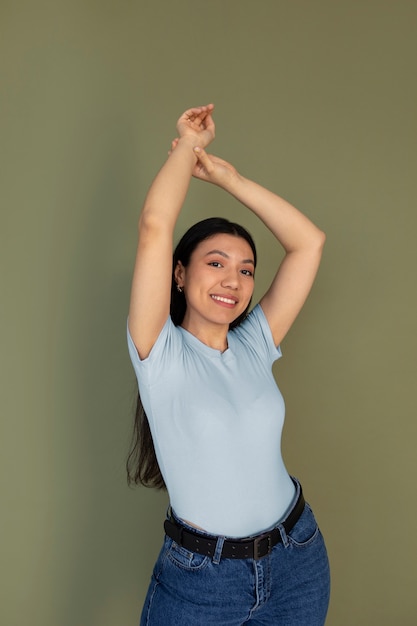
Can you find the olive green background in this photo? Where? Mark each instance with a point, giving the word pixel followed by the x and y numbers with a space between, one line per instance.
pixel 316 100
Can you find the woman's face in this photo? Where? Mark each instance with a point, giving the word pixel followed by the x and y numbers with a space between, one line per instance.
pixel 218 282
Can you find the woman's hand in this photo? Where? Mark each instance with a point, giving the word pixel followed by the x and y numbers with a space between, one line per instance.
pixel 198 124
pixel 211 168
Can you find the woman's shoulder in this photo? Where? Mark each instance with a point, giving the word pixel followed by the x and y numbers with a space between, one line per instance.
pixel 168 340
pixel 255 332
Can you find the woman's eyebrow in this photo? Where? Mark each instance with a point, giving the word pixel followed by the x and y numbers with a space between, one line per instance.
pixel 226 256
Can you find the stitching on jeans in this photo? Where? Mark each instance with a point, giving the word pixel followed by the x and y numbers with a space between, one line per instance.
pixel 148 613
pixel 305 544
pixel 177 563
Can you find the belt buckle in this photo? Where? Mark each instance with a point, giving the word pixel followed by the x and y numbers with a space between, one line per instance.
pixel 262 546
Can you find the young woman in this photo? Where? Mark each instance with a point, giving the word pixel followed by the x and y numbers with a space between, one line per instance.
pixel 241 545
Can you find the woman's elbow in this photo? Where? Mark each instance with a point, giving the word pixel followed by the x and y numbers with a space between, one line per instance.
pixel 321 238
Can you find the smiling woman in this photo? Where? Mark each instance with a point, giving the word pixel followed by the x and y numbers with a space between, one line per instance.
pixel 217 285
pixel 241 545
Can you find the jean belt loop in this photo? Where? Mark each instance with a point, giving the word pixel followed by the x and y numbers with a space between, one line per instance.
pixel 219 549
pixel 283 534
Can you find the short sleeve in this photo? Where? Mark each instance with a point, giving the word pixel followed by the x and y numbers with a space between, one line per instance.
pixel 256 331
pixel 166 346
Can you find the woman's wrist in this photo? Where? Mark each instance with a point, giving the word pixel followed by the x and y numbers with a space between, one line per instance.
pixel 189 139
pixel 201 138
pixel 233 183
pixel 185 146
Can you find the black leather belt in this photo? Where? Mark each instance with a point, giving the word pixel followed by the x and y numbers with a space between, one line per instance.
pixel 248 548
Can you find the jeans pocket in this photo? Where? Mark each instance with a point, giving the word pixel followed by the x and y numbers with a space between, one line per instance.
pixel 181 557
pixel 306 529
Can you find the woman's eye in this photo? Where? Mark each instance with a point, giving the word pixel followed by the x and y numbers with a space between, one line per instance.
pixel 247 272
pixel 215 264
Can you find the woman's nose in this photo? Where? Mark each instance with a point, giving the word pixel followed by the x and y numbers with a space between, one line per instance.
pixel 231 280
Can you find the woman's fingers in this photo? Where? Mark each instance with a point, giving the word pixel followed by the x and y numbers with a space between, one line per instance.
pixel 197 114
pixel 174 144
pixel 198 110
pixel 197 121
pixel 204 159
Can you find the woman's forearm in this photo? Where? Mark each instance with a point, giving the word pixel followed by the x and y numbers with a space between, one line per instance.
pixel 291 227
pixel 167 193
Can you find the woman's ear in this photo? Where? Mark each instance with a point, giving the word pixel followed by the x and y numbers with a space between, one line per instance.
pixel 179 274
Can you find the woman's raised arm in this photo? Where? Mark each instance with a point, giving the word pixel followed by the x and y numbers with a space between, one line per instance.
pixel 151 284
pixel 301 239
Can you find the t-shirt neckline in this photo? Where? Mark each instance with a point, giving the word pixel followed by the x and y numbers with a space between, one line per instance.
pixel 203 348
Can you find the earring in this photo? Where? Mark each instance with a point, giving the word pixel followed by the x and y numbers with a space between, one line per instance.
pixel 179 289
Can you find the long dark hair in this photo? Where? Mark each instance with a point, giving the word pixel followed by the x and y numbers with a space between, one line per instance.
pixel 142 465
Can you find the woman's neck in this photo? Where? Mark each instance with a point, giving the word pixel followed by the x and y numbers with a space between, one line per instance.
pixel 214 336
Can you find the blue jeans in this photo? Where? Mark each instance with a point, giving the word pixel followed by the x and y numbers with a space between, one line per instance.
pixel 289 587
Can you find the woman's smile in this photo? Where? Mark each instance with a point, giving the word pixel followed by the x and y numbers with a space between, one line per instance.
pixel 221 268
pixel 224 300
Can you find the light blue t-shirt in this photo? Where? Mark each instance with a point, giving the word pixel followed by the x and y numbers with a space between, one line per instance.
pixel 216 420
